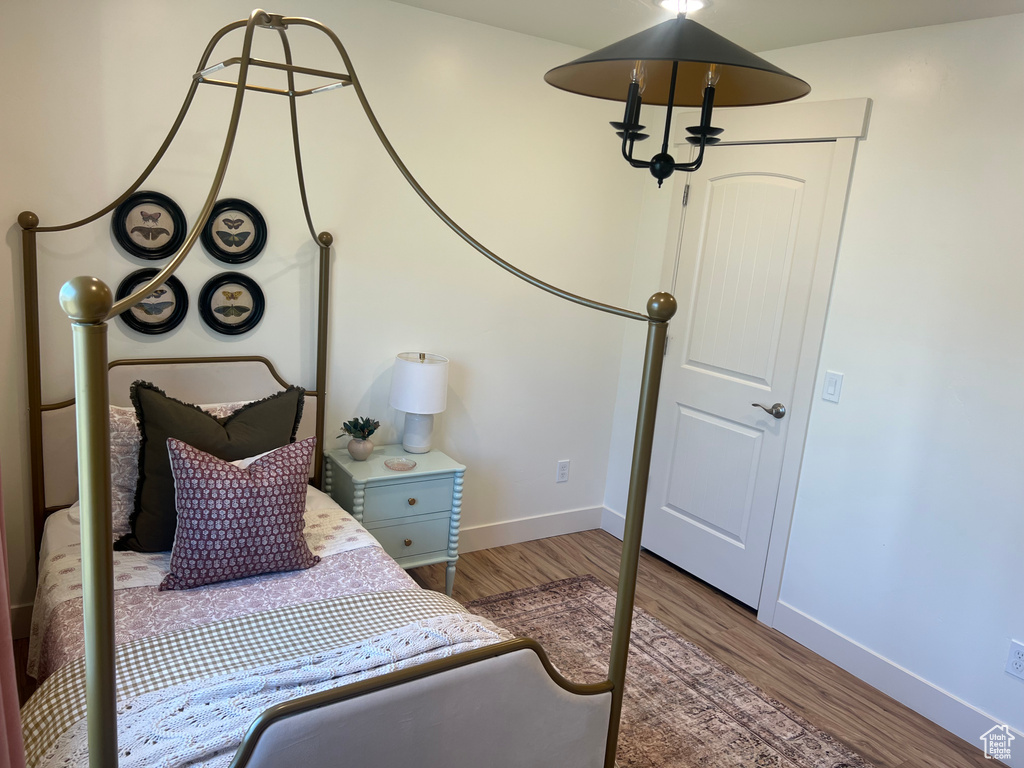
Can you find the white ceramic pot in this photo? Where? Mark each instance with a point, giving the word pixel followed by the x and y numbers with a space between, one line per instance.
pixel 359 449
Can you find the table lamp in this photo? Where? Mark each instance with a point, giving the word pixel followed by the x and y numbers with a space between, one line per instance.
pixel 419 386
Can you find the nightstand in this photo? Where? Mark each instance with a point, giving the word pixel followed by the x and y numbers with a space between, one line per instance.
pixel 414 514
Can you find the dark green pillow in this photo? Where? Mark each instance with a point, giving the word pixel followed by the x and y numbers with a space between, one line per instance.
pixel 255 428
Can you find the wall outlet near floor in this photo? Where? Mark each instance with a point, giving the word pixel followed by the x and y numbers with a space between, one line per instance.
pixel 563 471
pixel 1015 664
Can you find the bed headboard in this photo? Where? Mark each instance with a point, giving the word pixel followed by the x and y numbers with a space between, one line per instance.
pixel 52 426
pixel 192 380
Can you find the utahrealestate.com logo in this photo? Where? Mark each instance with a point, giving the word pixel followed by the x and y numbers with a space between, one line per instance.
pixel 997 742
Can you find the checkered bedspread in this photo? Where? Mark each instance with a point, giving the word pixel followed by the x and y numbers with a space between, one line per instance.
pixel 340 639
pixel 196 667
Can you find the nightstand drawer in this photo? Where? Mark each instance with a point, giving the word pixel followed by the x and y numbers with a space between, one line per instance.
pixel 395 500
pixel 425 536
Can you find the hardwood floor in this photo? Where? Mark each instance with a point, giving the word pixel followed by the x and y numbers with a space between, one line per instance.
pixel 878 727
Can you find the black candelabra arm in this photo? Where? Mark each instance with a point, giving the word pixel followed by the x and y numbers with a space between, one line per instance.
pixel 663 164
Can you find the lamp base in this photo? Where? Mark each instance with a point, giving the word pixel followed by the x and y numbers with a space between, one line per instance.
pixel 418 428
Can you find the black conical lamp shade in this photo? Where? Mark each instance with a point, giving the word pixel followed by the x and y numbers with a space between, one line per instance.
pixel 744 79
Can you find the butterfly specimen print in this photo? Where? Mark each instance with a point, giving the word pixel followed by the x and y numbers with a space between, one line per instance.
pixel 231 310
pixel 150 307
pixel 233 223
pixel 233 239
pixel 153 307
pixel 150 233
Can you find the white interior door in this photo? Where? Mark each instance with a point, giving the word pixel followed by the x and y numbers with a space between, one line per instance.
pixel 748 249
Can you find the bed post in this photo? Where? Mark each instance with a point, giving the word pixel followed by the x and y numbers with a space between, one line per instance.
pixel 87 302
pixel 325 239
pixel 661 307
pixel 30 281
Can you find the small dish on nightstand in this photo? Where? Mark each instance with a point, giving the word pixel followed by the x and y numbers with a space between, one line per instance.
pixel 399 464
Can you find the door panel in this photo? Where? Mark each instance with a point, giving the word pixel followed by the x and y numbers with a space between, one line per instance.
pixel 717 465
pixel 745 262
pixel 747 253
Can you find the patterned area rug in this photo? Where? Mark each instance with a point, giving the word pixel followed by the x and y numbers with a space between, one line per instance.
pixel 682 708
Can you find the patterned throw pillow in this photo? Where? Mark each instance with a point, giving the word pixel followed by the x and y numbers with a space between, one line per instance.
pixel 124 466
pixel 235 522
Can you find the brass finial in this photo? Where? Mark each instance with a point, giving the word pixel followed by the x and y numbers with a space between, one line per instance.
pixel 662 306
pixel 86 299
pixel 28 220
pixel 325 239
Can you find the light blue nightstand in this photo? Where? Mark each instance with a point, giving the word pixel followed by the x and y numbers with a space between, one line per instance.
pixel 414 514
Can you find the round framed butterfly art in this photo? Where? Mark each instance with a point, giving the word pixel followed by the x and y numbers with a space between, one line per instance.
pixel 231 303
pixel 149 225
pixel 235 232
pixel 160 311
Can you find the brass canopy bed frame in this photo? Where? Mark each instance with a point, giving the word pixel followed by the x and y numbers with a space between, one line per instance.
pixel 570 724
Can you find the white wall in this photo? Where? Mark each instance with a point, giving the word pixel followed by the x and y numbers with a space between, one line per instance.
pixel 906 556
pixel 908 535
pixel 88 95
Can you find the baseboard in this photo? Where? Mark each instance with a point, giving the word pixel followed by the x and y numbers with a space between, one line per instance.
pixel 941 707
pixel 613 522
pixel 529 528
pixel 21 621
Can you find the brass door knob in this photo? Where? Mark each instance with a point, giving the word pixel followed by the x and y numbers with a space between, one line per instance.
pixel 408 542
pixel 412 502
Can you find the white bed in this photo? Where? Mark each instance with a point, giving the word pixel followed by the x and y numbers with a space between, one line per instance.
pixel 171 717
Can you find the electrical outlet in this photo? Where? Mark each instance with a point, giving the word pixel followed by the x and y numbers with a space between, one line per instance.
pixel 1015 664
pixel 563 471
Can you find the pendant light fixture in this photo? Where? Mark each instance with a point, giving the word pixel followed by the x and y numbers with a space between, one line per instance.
pixel 677 63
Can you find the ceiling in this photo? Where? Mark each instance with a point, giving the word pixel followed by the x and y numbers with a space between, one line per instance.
pixel 758 25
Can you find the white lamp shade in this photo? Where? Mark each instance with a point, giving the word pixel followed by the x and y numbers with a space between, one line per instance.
pixel 419 383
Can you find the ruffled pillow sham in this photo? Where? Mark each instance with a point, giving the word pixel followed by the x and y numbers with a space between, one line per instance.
pixel 257 427
pixel 124 459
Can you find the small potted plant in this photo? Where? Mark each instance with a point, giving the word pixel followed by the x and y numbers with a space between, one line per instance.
pixel 360 428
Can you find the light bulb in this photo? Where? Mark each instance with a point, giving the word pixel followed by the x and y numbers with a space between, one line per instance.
pixel 681 6
pixel 713 74
pixel 639 75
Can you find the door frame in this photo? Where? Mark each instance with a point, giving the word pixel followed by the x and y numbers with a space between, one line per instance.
pixel 844 122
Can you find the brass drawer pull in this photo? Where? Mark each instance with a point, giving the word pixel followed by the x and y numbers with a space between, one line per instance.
pixel 412 502
pixel 408 542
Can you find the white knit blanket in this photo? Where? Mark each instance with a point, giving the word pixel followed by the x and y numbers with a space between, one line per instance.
pixel 237 669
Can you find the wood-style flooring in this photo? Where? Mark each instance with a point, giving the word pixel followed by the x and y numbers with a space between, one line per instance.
pixel 879 728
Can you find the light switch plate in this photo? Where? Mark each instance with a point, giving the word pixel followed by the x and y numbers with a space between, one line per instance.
pixel 833 386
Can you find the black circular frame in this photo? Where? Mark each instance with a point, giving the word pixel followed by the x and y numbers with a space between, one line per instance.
pixel 155 233
pixel 217 305
pixel 226 235
pixel 167 305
